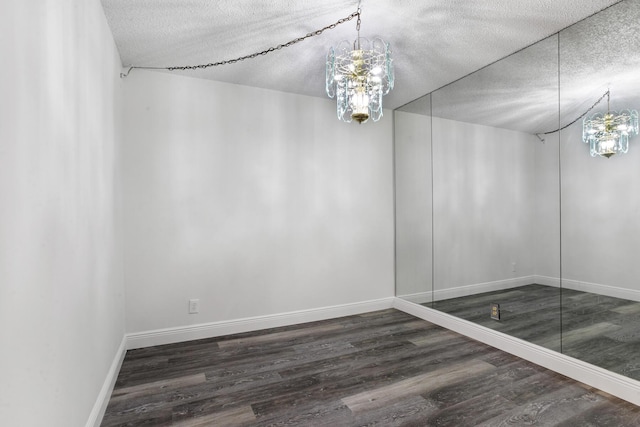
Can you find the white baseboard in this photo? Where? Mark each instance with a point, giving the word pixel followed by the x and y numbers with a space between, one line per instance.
pixel 227 327
pixel 99 408
pixel 610 382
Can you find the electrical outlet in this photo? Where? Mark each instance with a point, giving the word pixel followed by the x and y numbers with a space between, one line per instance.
pixel 513 267
pixel 194 306
pixel 495 311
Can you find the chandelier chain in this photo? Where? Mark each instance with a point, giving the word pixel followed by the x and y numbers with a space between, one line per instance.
pixel 356 42
pixel 581 116
pixel 256 54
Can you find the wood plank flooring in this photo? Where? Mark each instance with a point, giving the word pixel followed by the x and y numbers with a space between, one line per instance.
pixel 384 368
pixel 601 330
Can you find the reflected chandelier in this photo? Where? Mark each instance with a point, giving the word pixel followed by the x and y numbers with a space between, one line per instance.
pixel 358 75
pixel 608 133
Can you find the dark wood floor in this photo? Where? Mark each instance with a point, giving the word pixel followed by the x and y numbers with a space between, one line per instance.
pixel 598 329
pixel 384 368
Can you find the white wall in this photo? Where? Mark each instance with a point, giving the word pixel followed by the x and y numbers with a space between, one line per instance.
pixel 253 201
pixel 413 204
pixel 483 187
pixel 61 286
pixel 484 195
pixel 497 201
pixel 600 211
pixel 545 242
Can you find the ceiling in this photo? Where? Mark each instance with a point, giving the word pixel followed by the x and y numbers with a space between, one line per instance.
pixel 434 42
pixel 554 82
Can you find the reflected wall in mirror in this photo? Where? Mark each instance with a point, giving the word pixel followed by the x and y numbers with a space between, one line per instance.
pixel 499 201
pixel 601 197
pixel 413 200
pixel 492 245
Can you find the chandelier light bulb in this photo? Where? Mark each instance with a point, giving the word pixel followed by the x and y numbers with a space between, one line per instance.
pixel 360 105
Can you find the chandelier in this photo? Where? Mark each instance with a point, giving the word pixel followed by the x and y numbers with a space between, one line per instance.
pixel 608 133
pixel 358 75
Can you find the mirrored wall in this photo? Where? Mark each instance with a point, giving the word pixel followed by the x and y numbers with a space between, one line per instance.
pixel 503 217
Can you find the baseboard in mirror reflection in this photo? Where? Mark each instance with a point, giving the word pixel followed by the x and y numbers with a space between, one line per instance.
pixel 610 382
pixel 593 288
pixel 418 297
pixel 499 285
pixel 462 291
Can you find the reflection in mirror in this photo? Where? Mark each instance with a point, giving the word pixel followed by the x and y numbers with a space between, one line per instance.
pixel 501 210
pixel 413 200
pixel 600 196
pixel 495 219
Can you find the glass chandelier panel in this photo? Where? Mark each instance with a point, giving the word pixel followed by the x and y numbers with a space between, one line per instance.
pixel 608 133
pixel 358 75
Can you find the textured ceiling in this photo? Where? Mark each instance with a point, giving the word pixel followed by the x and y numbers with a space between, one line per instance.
pixel 434 42
pixel 578 65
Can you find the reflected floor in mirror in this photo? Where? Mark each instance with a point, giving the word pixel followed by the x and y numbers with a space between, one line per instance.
pixel 384 368
pixel 597 329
